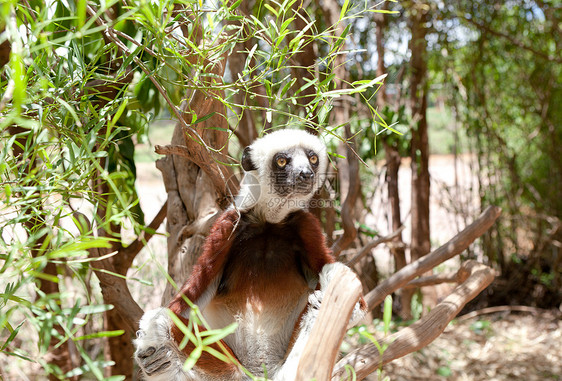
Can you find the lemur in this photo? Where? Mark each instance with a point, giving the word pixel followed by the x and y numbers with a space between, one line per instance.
pixel 264 266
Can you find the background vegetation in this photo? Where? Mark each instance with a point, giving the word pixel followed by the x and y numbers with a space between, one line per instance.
pixel 85 82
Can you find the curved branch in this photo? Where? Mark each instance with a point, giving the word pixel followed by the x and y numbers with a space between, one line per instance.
pixel 367 358
pixel 455 246
pixel 116 292
pixel 202 156
pixel 322 347
pixel 434 279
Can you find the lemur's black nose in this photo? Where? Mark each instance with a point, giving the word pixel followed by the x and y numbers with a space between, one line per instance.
pixel 306 174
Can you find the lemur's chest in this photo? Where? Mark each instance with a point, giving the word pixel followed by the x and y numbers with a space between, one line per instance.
pixel 264 271
pixel 264 289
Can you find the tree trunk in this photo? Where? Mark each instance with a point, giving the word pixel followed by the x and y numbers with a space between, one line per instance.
pixel 306 62
pixel 392 156
pixel 246 131
pixel 193 203
pixel 420 241
pixel 393 161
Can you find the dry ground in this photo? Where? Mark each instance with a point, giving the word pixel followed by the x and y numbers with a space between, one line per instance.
pixel 495 347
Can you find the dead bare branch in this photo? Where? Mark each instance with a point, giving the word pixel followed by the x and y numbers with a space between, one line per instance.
pixel 323 345
pixel 507 309
pixel 367 358
pixel 205 159
pixel 371 245
pixel 431 280
pixel 455 246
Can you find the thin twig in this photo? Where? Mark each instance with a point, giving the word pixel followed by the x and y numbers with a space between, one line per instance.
pixel 495 309
pixel 371 245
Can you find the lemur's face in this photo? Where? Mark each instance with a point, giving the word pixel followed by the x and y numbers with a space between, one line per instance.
pixel 294 171
pixel 282 172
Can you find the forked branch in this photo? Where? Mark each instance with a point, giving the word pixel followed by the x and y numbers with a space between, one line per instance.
pixel 367 358
pixel 322 348
pixel 330 326
pixel 455 246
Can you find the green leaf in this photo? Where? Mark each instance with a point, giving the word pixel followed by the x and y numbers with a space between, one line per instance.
pixel 344 9
pixel 270 8
pixel 203 118
pixel 212 336
pixel 12 336
pixel 387 314
pixel 192 359
pixel 234 6
pixel 100 334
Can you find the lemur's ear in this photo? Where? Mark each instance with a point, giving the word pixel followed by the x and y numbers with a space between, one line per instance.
pixel 246 161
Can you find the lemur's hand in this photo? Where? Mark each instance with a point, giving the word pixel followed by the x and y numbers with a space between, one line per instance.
pixel 326 276
pixel 156 352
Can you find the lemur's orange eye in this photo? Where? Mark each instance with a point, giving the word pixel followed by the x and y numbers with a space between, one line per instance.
pixel 313 159
pixel 281 162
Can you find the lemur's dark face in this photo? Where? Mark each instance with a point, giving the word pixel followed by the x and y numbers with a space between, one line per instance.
pixel 294 171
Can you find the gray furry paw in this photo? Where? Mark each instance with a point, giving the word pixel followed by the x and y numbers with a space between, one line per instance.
pixel 156 352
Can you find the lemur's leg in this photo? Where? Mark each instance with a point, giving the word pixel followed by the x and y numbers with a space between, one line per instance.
pixel 157 350
pixel 160 358
pixel 288 371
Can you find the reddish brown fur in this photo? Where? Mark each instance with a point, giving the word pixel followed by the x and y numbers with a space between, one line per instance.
pixel 210 263
pixel 310 232
pixel 318 255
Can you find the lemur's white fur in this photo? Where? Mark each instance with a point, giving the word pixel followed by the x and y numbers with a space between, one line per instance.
pixel 260 338
pixel 255 188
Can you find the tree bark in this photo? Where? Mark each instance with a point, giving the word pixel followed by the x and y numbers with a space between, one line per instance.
pixel 419 153
pixel 192 197
pixel 246 131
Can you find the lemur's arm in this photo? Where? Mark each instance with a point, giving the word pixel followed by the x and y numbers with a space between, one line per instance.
pixel 310 232
pixel 317 252
pixel 157 350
